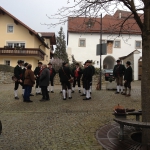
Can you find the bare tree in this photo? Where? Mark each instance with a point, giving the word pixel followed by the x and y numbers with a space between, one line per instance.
pixel 93 8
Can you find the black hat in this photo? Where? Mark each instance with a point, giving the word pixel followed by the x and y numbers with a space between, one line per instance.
pixel 64 63
pixel 26 64
pixel 118 60
pixel 77 64
pixel 49 63
pixel 20 61
pixel 40 63
pixel 88 61
pixel 128 63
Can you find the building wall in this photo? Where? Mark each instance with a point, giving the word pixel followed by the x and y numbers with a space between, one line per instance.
pixel 89 52
pixel 20 34
pixel 14 59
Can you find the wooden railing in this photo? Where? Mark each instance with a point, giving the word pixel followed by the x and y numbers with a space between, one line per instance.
pixel 35 52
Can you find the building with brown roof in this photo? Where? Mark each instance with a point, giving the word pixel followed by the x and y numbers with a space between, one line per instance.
pixel 18 41
pixel 121 37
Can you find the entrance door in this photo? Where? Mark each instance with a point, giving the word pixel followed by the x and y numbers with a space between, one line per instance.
pixel 109 62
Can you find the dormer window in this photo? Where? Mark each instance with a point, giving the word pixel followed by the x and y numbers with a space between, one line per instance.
pixel 10 28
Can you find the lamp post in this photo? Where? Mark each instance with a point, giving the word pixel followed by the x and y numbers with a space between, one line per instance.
pixel 100 76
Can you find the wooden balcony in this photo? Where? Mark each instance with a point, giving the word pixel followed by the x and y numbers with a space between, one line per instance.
pixel 33 52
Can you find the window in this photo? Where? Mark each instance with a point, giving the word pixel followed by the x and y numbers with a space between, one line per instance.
pixel 15 44
pixel 7 62
pixel 117 44
pixel 82 43
pixel 138 44
pixel 10 29
pixel 10 45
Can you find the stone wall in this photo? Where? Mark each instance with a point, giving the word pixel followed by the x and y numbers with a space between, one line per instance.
pixel 6 72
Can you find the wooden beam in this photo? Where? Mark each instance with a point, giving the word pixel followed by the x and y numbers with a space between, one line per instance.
pixel 30 32
pixel 2 12
pixel 16 22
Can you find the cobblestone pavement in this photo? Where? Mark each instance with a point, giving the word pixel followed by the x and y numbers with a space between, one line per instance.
pixel 58 124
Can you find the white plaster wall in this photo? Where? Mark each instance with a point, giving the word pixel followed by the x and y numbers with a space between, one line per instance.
pixel 135 71
pixel 89 52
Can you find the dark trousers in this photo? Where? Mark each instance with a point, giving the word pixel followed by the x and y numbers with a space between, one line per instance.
pixel 78 82
pixel 127 84
pixel 17 85
pixel 44 92
pixel 37 83
pixel 87 84
pixel 66 85
pixel 52 81
pixel 27 92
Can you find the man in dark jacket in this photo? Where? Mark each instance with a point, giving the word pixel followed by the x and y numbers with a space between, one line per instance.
pixel 118 73
pixel 77 72
pixel 37 72
pixel 18 75
pixel 44 82
pixel 128 78
pixel 93 72
pixel 87 74
pixel 65 75
pixel 52 75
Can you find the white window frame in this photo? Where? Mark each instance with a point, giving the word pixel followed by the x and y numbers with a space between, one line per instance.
pixel 6 61
pixel 8 25
pixel 82 39
pixel 140 45
pixel 15 42
pixel 115 44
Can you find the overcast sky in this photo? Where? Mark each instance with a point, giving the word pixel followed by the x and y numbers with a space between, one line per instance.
pixel 33 12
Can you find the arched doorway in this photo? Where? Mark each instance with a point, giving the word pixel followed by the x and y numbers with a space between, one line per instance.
pixel 109 62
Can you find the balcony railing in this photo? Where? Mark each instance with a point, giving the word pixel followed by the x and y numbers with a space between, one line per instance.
pixel 35 52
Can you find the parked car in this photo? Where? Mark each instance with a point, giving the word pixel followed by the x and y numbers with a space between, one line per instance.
pixel 108 73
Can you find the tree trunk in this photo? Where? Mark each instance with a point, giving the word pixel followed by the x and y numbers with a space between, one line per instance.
pixel 145 84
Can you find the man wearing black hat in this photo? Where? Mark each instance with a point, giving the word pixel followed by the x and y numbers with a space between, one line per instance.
pixel 37 73
pixel 77 72
pixel 18 75
pixel 52 75
pixel 65 75
pixel 93 72
pixel 128 78
pixel 118 73
pixel 87 80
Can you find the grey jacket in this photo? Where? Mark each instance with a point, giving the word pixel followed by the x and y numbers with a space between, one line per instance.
pixel 44 77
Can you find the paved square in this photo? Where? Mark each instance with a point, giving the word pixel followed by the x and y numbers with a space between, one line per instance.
pixel 58 124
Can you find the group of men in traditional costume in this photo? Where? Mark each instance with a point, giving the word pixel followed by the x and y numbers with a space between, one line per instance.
pixel 44 75
pixel 26 78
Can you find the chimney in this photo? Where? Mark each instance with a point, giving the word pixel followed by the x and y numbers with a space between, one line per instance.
pixel 120 15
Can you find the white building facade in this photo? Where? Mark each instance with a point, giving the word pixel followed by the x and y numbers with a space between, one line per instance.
pixel 88 51
pixel 82 45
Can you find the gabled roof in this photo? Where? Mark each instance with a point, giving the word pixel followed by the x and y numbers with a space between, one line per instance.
pixel 17 21
pixel 110 24
pixel 123 57
pixel 49 35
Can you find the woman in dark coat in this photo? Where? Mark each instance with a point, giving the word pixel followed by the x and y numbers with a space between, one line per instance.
pixel 44 82
pixel 128 78
pixel 29 81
